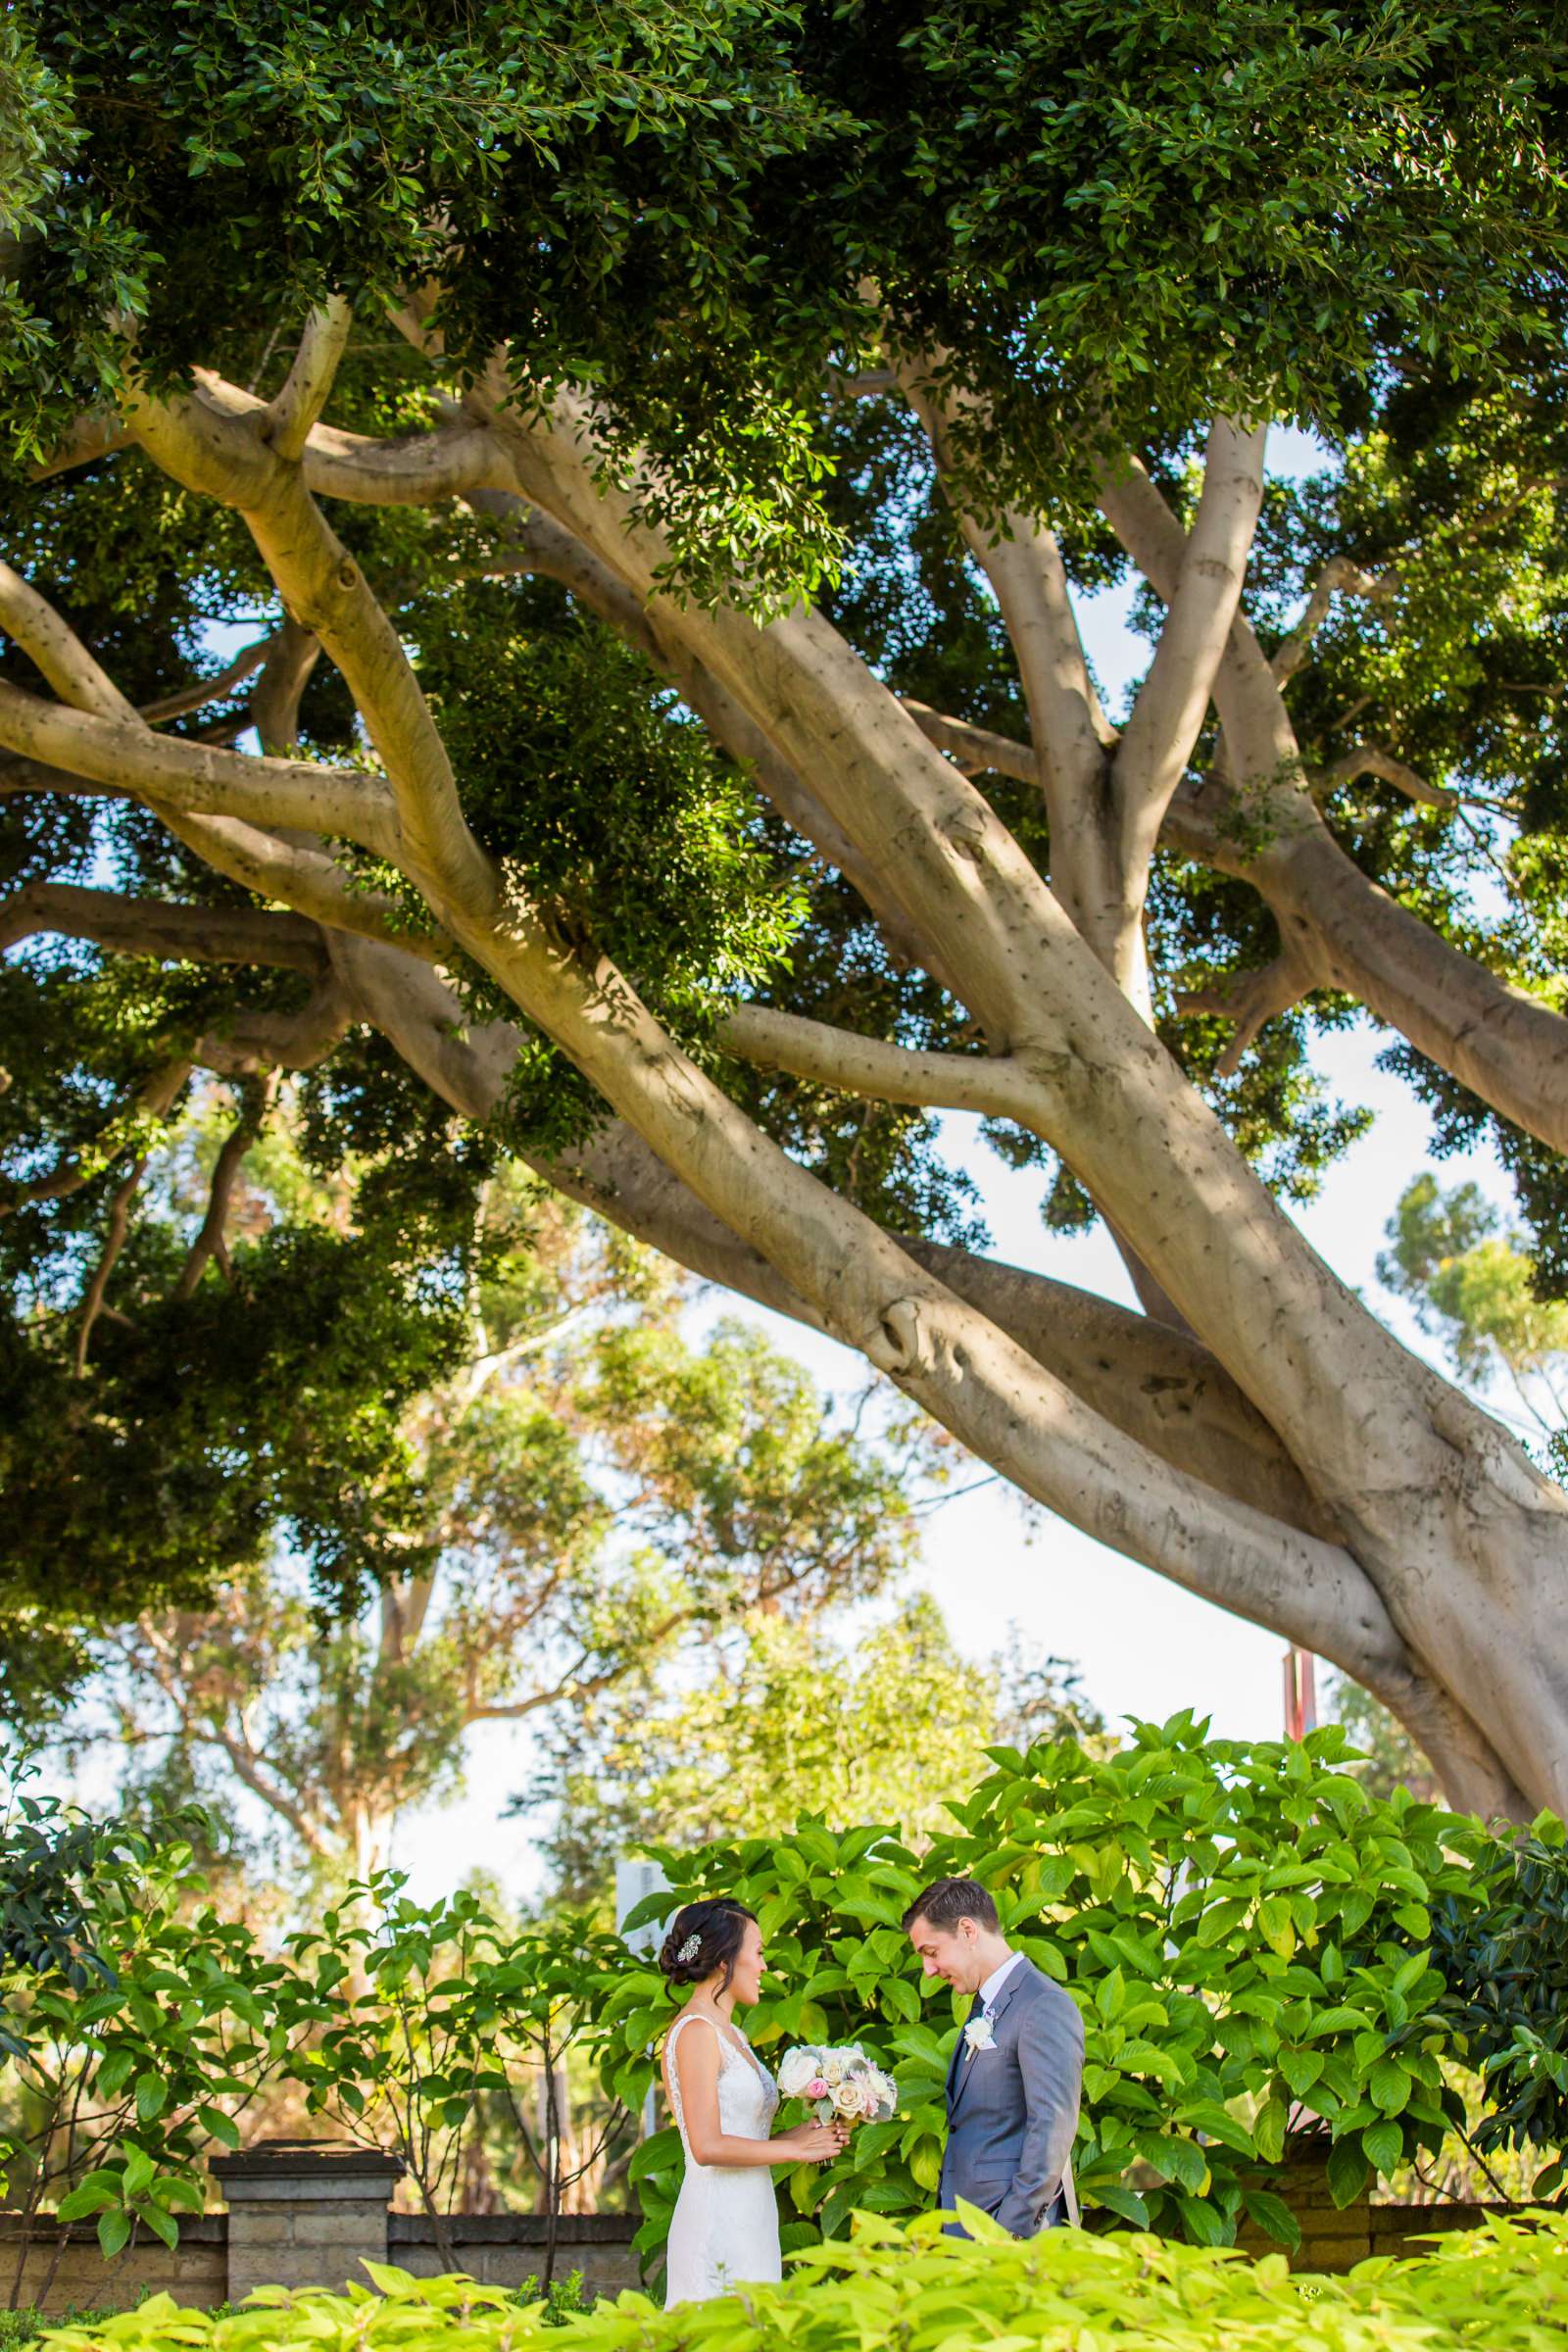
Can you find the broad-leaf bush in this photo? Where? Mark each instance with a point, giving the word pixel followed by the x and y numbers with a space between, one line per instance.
pixel 1248 1934
pixel 133 2038
pixel 1504 2286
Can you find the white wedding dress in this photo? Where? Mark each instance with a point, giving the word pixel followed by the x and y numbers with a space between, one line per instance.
pixel 724 2232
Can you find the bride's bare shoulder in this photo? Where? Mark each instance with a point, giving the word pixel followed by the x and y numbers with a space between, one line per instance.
pixel 691 2016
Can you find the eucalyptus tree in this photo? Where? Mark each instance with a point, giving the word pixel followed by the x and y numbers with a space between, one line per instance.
pixel 659 453
pixel 599 1501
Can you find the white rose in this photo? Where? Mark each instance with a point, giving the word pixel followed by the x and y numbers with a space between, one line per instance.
pixel 831 2068
pixel 797 2069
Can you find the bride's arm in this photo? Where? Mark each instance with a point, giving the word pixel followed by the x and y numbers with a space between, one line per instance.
pixel 695 2059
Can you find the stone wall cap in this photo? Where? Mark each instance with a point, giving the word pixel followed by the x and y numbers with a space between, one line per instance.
pixel 300 2158
pixel 527 2230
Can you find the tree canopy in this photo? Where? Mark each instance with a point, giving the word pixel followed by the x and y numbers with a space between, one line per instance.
pixel 545 548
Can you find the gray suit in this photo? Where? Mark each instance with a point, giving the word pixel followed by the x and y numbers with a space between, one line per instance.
pixel 1012 2110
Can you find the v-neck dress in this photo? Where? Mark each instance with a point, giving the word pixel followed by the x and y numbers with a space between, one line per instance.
pixel 724 2232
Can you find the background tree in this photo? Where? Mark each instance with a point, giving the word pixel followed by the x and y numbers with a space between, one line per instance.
pixel 631 819
pixel 789 1719
pixel 598 1499
pixel 1480 1291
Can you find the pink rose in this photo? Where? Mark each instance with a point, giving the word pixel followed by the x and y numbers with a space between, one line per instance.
pixel 816 2089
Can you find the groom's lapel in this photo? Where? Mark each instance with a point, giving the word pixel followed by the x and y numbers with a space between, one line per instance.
pixel 959 2069
pixel 998 2009
pixel 955 2061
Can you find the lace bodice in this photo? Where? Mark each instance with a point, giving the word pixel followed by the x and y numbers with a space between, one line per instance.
pixel 724 2232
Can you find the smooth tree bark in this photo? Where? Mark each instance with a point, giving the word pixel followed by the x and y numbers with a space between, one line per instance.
pixel 1259 1438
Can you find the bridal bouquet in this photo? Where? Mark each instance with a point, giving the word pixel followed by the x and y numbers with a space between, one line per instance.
pixel 842 2083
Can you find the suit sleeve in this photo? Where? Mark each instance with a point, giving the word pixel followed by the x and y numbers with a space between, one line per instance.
pixel 1051 2059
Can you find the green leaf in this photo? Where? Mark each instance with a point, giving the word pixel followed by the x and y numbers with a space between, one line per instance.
pixel 90 2195
pixel 151 2095
pixel 1347 2172
pixel 1272 2216
pixel 113 2229
pixel 1388 2086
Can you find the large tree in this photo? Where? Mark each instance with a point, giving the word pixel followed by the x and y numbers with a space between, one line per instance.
pixel 660 450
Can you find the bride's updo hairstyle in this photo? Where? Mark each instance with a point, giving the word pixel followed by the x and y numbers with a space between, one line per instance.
pixel 704 1938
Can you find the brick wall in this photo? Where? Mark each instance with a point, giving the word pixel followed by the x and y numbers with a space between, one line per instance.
pixel 76 2277
pixel 1335 2240
pixel 504 2249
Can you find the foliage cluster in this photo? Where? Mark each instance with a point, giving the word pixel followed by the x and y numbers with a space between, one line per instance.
pixel 1503 2287
pixel 1259 1949
pixel 1249 1936
pixel 392 2020
pixel 132 2053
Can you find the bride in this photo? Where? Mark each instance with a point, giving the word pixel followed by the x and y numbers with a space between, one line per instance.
pixel 725 2228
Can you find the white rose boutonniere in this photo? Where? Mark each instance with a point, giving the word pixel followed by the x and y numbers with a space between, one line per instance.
pixel 980 2035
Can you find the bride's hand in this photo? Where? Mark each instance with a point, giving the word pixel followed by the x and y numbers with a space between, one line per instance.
pixel 814 2144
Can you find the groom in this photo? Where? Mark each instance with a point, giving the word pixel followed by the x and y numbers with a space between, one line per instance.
pixel 1014 2077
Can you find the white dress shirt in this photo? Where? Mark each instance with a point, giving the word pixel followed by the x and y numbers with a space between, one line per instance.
pixel 996 1981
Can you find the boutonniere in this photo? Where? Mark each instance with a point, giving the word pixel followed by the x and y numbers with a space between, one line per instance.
pixel 980 2035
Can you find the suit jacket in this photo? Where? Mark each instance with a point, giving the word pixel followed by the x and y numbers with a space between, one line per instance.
pixel 1013 2109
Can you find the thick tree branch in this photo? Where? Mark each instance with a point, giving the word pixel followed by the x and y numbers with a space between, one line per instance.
pixel 1173 699
pixel 977 750
pixel 54 649
pixel 202 691
pixel 308 383
pixel 276 700
pixel 162 927
pixel 1365 760
pixel 250 1041
pixel 866 1065
pixel 1506 1047
pixel 1251 999
pixel 97 433
pixel 130 757
pixel 533 543
pixel 307 880
pixel 1022 561
pixel 225 457
pixel 1162 1388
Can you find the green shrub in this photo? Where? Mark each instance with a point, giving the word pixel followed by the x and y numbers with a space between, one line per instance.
pixel 1247 1932
pixel 1504 2288
pixel 17 2328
